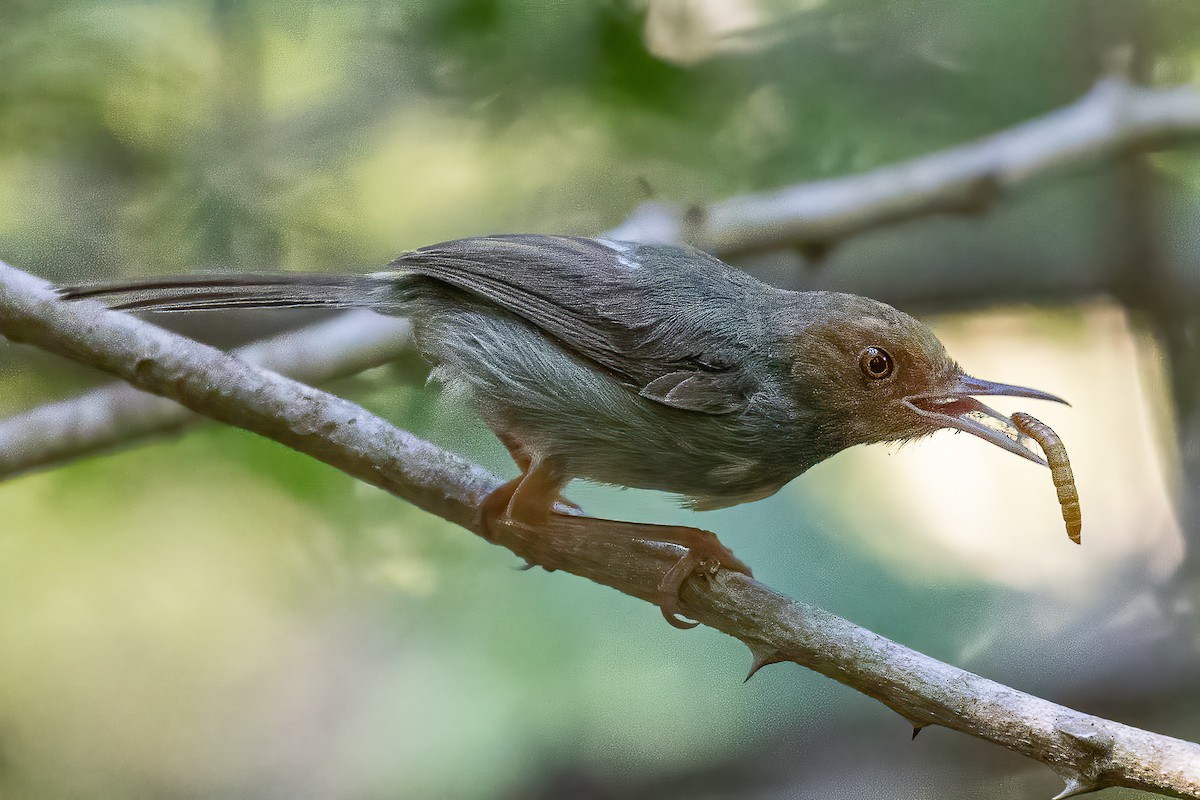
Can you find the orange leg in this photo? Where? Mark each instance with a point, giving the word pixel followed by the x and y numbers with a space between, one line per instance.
pixel 524 462
pixel 528 501
pixel 525 500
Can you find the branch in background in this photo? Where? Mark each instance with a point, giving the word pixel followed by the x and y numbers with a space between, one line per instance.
pixel 1114 118
pixel 1088 752
pixel 115 415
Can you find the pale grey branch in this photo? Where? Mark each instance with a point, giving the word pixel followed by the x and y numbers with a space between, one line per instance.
pixel 1088 752
pixel 1114 117
pixel 117 415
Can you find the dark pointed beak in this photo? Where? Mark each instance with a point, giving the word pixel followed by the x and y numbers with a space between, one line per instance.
pixel 974 386
pixel 957 408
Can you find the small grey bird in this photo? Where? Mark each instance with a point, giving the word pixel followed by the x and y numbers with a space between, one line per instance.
pixel 647 366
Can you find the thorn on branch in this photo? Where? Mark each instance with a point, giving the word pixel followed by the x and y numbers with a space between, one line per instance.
pixel 917 726
pixel 1076 786
pixel 1091 747
pixel 762 655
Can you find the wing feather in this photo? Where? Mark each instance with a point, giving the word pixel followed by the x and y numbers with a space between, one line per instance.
pixel 676 325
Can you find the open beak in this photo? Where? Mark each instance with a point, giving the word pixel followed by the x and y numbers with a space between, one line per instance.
pixel 957 408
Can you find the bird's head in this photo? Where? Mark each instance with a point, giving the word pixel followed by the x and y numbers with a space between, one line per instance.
pixel 869 373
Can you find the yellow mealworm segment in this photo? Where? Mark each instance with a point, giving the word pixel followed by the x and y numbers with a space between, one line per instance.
pixel 1060 469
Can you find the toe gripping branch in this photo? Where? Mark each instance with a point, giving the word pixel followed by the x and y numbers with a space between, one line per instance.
pixel 553 539
pixel 704 556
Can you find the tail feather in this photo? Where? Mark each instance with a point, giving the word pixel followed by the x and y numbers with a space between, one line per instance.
pixel 208 293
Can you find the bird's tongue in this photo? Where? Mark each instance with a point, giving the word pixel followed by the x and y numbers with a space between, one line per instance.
pixel 958 406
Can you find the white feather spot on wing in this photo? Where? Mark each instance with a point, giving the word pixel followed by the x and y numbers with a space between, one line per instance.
pixel 623 251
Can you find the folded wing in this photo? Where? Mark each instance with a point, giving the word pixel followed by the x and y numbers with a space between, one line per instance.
pixel 675 325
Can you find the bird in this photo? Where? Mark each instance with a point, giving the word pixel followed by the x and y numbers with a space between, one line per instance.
pixel 640 365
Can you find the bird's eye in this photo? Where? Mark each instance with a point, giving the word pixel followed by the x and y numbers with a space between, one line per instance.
pixel 876 363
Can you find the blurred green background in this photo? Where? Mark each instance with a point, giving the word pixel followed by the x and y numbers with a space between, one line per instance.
pixel 215 616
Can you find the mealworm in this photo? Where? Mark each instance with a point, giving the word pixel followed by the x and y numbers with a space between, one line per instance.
pixel 1060 470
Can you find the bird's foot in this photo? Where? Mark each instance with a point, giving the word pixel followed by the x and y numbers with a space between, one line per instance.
pixel 496 509
pixel 493 508
pixel 704 556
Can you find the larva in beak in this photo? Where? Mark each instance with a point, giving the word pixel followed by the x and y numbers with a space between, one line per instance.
pixel 1060 469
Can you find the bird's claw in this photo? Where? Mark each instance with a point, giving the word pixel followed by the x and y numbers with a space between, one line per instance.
pixel 669 587
pixel 704 557
pixel 572 508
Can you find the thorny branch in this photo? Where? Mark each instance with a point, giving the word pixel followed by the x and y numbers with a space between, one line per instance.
pixel 1088 752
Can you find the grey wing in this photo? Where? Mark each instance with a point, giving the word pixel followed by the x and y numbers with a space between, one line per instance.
pixel 677 326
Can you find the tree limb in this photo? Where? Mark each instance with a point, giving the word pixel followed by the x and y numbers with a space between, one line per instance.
pixel 1114 117
pixel 1088 752
pixel 116 415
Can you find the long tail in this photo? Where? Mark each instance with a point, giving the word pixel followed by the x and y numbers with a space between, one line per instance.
pixel 253 290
